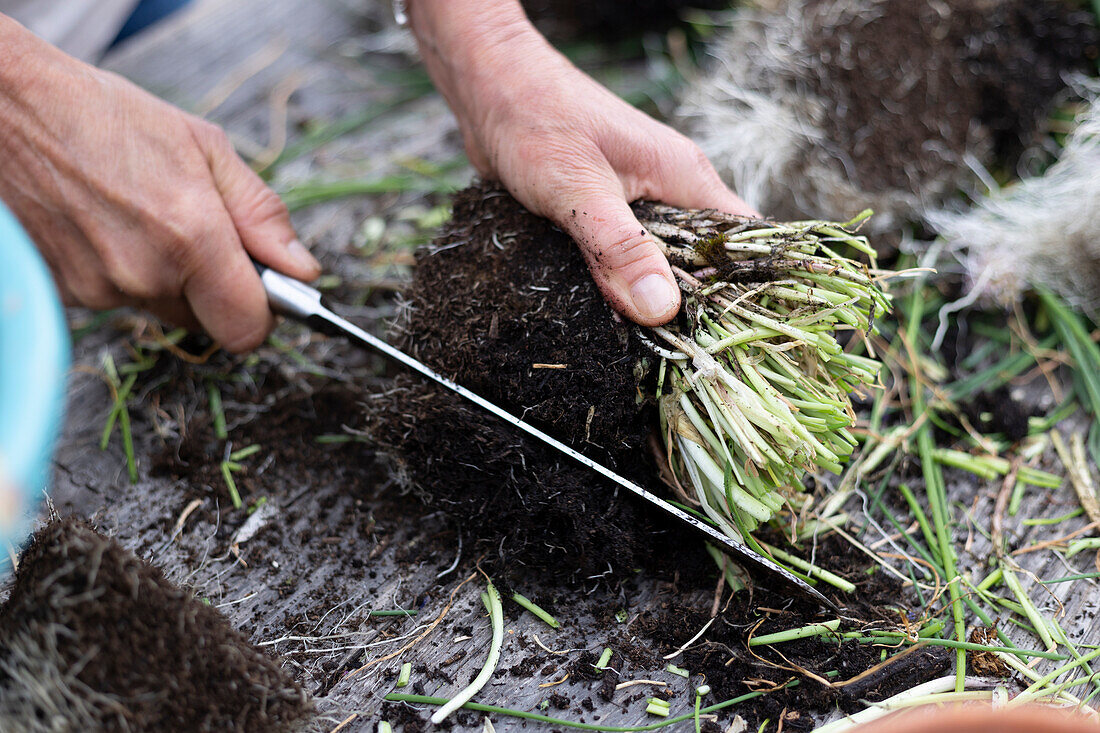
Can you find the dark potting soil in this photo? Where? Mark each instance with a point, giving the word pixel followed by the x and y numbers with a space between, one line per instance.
pixel 503 303
pixel 997 411
pixel 95 635
pixel 288 418
pixel 908 80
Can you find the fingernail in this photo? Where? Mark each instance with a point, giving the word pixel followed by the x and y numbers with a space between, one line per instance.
pixel 653 296
pixel 302 256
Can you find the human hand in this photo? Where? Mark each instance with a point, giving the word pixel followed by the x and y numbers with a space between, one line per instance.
pixel 566 147
pixel 133 202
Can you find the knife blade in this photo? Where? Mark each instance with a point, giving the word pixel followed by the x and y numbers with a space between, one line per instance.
pixel 296 300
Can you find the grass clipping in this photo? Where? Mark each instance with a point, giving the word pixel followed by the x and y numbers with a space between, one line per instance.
pixel 754 384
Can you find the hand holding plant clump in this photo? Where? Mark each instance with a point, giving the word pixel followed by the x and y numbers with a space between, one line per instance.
pixel 753 386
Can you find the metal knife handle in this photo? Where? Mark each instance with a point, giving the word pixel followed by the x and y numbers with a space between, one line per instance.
pixel 289 297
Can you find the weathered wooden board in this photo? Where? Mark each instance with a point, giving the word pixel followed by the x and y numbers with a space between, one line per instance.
pixel 236 61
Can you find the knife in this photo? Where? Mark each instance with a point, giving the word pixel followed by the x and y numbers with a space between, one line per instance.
pixel 296 300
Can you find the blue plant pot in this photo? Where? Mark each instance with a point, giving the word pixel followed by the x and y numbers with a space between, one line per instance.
pixel 34 358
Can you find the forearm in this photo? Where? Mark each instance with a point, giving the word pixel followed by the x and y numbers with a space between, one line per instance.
pixel 16 51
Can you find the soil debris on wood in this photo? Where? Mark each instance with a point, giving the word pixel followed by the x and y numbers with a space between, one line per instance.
pixel 93 635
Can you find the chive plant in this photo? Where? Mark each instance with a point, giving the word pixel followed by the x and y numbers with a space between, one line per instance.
pixel 754 385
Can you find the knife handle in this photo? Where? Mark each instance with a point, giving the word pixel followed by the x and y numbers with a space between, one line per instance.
pixel 289 297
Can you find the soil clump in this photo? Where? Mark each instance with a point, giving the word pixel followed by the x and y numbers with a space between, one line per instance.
pixel 502 302
pixel 93 635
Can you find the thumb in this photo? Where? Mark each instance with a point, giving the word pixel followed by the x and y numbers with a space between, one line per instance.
pixel 260 216
pixel 624 259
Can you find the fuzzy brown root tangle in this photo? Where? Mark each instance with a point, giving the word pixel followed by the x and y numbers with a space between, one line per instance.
pixel 95 635
pixel 826 107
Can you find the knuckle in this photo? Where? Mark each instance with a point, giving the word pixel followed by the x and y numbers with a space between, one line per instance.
pixel 96 293
pixel 190 235
pixel 136 279
pixel 625 247
pixel 692 152
pixel 547 147
pixel 531 150
pixel 688 155
pixel 210 134
pixel 262 204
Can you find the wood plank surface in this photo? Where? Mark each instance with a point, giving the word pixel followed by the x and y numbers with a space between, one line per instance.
pixel 247 64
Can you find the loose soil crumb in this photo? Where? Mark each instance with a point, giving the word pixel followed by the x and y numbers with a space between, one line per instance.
pixel 95 636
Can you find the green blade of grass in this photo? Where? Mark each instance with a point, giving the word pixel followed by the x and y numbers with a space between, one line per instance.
pixel 935 489
pixel 803 632
pixel 356 121
pixel 314 192
pixel 234 495
pixel 881 636
pixel 128 443
pixel 218 414
pixel 240 455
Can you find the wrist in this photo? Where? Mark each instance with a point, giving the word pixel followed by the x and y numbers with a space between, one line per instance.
pixel 19 52
pixel 33 74
pixel 473 48
pixel 38 83
pixel 468 32
pixel 16 47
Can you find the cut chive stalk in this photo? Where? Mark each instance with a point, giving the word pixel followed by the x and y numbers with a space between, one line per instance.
pixel 536 610
pixel 679 671
pixel 528 715
pixel 804 632
pixel 491 599
pixel 404 675
pixel 755 386
pixel 657 706
pixel 605 658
